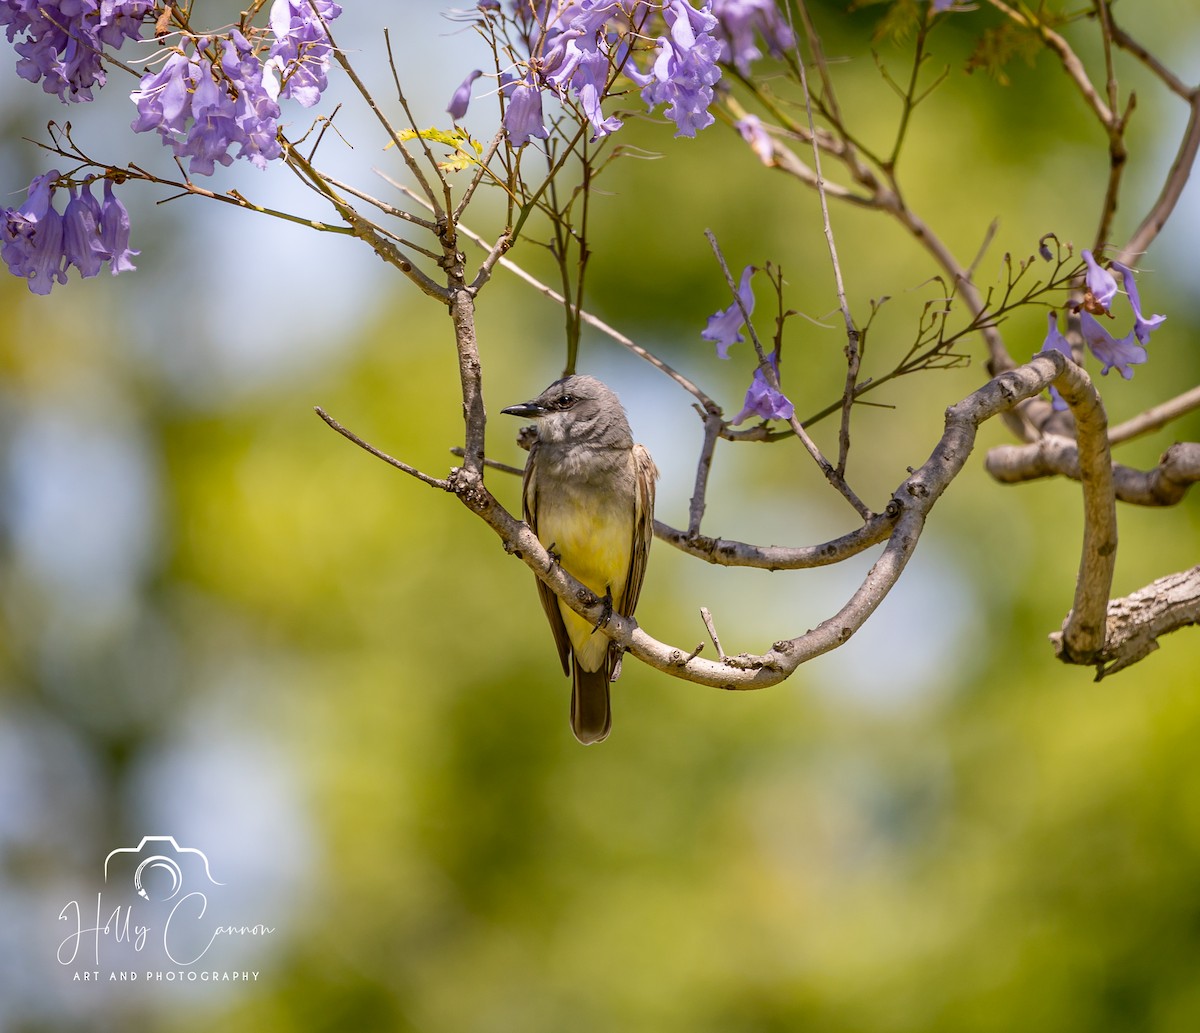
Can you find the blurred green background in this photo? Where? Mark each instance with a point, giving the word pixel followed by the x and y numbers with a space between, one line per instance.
pixel 223 622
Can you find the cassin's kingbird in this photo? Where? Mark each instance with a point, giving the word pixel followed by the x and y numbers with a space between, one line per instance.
pixel 589 497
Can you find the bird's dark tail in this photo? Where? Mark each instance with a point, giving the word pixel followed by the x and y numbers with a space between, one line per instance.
pixel 591 717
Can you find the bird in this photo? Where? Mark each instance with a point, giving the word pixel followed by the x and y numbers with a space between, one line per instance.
pixel 588 495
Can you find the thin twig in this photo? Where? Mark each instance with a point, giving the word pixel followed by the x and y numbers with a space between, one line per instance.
pixel 707 617
pixel 713 425
pixel 826 467
pixel 587 317
pixel 412 471
pixel 1157 417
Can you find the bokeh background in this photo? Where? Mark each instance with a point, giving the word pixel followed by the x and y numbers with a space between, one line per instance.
pixel 222 622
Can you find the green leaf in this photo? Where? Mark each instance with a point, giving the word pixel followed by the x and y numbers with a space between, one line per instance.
pixel 465 151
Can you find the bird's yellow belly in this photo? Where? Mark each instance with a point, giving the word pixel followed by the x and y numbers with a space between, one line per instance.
pixel 593 544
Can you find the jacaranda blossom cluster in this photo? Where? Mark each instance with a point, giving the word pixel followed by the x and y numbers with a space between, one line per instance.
pixel 1121 354
pixel 39 244
pixel 575 51
pixel 60 42
pixel 212 99
pixel 203 105
pixel 724 329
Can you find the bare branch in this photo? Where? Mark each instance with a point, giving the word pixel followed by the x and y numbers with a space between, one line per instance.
pixel 707 617
pixel 1157 417
pixel 1066 56
pixel 587 317
pixel 1172 190
pixel 832 475
pixel 1137 621
pixel 727 553
pixel 713 425
pixel 1083 634
pixel 363 228
pixel 412 471
pixel 1053 456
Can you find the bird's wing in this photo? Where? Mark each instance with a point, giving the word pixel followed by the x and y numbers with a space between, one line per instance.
pixel 645 473
pixel 529 504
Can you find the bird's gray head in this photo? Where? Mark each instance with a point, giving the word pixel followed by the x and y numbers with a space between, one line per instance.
pixel 577 410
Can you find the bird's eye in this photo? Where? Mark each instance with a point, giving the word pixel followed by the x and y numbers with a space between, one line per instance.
pixel 566 401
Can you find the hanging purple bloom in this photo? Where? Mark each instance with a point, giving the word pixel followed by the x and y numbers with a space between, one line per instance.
pixel 81 233
pixel 457 107
pixel 1100 284
pixel 301 50
pixel 214 127
pixel 523 116
pixel 31 237
pixel 202 111
pixel 762 399
pixel 255 107
pixel 1120 355
pixel 114 232
pixel 1142 325
pixel 163 98
pixel 62 40
pixel 686 68
pixel 1055 341
pixel 38 245
pixel 724 328
pixel 588 84
pixel 738 23
pixel 577 65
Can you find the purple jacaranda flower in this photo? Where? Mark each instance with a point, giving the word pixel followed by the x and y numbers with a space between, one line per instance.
pixel 163 98
pixel 114 232
pixel 214 127
pixel 62 40
pixel 737 23
pixel 81 234
pixel 589 78
pixel 457 107
pixel 1142 325
pixel 1120 355
pixel 755 134
pixel 578 60
pixel 202 111
pixel 39 245
pixel 686 68
pixel 255 107
pixel 1100 284
pixel 762 399
pixel 31 237
pixel 301 50
pixel 523 116
pixel 1055 341
pixel 724 327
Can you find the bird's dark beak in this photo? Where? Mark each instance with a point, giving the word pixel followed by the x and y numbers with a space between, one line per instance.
pixel 526 410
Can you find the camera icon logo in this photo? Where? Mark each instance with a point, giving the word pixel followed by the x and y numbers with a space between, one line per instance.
pixel 160 866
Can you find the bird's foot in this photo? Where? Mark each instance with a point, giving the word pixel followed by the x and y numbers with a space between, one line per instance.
pixel 616 668
pixel 607 613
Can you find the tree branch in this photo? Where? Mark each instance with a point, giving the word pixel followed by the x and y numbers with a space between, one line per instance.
pixel 1137 621
pixel 1054 456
